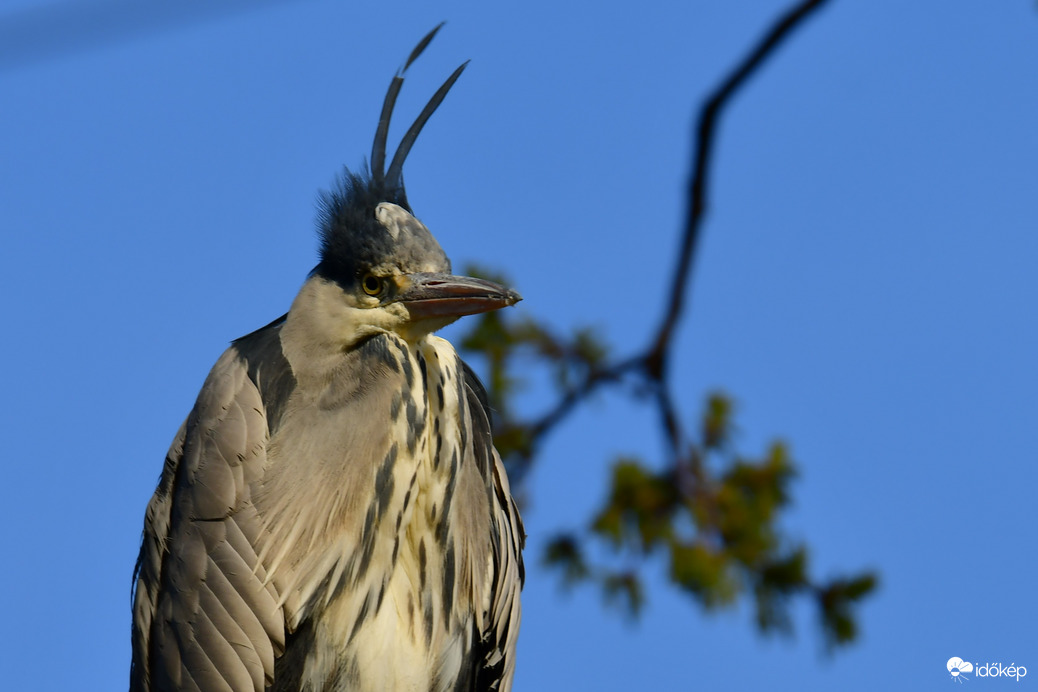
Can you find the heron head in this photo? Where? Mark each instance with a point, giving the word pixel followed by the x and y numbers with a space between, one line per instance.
pixel 381 269
pixel 389 267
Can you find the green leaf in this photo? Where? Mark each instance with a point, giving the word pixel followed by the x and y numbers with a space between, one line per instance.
pixel 717 421
pixel 836 601
pixel 625 588
pixel 786 574
pixel 589 348
pixel 564 552
pixel 640 508
pixel 776 582
pixel 704 573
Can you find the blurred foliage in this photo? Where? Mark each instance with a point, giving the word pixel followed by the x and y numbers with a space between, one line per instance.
pixel 711 514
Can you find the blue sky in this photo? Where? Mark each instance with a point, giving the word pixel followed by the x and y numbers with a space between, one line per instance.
pixel 866 290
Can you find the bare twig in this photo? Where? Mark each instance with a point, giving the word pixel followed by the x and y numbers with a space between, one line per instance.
pixel 652 363
pixel 706 127
pixel 572 397
pixel 735 545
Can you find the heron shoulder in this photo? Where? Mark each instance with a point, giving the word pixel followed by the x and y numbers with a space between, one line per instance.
pixel 197 549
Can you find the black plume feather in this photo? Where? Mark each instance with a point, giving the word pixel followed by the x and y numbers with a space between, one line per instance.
pixel 392 181
pixel 350 236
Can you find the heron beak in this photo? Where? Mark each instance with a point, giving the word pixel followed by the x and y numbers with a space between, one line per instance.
pixel 446 295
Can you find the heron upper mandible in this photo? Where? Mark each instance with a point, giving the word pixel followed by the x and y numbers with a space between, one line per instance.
pixel 333 515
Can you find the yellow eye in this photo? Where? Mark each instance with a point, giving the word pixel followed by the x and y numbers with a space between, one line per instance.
pixel 371 284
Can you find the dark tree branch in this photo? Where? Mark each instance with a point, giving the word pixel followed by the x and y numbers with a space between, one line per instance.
pixel 672 428
pixel 712 512
pixel 699 185
pixel 656 359
pixel 652 362
pixel 592 382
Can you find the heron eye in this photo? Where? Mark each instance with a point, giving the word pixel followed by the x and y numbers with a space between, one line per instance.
pixel 372 284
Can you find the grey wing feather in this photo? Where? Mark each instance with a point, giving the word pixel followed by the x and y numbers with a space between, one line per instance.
pixel 496 644
pixel 203 617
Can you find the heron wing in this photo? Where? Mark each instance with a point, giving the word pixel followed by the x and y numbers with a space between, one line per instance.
pixel 495 646
pixel 204 618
